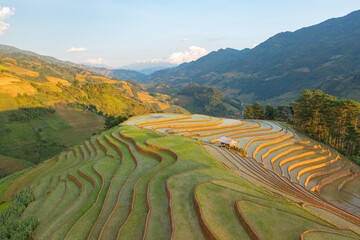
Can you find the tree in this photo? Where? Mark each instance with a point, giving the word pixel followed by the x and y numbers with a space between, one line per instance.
pixel 249 112
pixel 352 140
pixel 303 112
pixel 327 119
pixel 75 83
pixel 111 121
pixel 270 112
pixel 284 113
pixel 258 111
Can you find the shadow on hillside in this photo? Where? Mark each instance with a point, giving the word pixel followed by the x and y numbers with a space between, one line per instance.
pixel 38 133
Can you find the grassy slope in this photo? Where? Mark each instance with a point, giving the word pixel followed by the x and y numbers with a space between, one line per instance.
pixel 19 74
pixel 65 128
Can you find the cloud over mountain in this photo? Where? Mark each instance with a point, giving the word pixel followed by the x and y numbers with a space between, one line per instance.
pixel 74 49
pixel 5 12
pixel 193 53
pixel 95 60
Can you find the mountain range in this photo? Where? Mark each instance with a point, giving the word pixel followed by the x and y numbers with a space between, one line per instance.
pixel 148 67
pixel 324 56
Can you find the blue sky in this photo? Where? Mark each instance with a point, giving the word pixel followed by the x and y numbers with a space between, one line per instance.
pixel 117 32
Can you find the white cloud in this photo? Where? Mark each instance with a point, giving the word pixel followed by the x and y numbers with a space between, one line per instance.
pixel 74 49
pixel 95 60
pixel 192 54
pixel 3 27
pixel 5 12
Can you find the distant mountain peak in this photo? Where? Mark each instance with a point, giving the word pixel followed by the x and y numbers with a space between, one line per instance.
pixel 148 67
pixel 280 66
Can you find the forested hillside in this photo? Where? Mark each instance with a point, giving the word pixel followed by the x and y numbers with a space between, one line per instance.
pixel 31 84
pixel 323 56
pixel 329 120
pixel 206 100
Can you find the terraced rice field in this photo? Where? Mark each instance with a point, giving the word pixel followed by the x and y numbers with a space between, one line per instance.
pixel 299 160
pixel 143 180
pixel 9 165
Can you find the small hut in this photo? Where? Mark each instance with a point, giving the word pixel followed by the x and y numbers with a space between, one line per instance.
pixel 228 142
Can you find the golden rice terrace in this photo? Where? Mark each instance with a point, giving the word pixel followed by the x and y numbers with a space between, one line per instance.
pixel 165 176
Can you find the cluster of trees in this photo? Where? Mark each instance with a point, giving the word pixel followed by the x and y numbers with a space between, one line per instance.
pixel 3 174
pixel 207 100
pixel 12 226
pixel 280 113
pixel 91 108
pixel 320 116
pixel 25 101
pixel 27 114
pixel 329 120
pixel 112 121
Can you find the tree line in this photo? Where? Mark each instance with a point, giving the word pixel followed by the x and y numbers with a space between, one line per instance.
pixel 28 114
pixel 281 113
pixel 320 116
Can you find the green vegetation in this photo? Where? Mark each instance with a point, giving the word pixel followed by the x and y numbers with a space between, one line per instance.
pixel 32 140
pixel 206 100
pixel 111 121
pixel 12 226
pixel 26 101
pixel 45 116
pixel 329 120
pixel 280 113
pixel 103 97
pixel 4 205
pixel 135 183
pixel 129 182
pixel 320 116
pixel 4 69
pixel 44 134
pixel 27 114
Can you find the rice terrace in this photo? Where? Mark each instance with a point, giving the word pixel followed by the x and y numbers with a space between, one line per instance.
pixel 163 176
